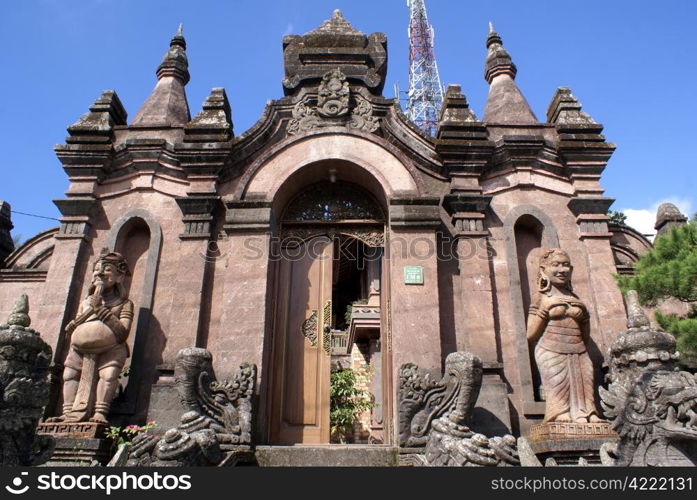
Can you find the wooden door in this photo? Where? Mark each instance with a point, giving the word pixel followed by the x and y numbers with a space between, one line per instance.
pixel 301 359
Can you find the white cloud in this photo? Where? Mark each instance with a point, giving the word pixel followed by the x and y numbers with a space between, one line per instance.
pixel 643 219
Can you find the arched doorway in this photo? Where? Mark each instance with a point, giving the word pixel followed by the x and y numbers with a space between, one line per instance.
pixel 327 303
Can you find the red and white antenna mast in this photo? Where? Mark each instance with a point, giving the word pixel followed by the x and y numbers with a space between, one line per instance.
pixel 425 92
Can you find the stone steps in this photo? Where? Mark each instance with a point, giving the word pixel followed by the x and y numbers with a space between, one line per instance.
pixel 329 455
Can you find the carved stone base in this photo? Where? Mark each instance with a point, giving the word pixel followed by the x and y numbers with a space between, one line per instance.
pixel 73 429
pixel 80 452
pixel 566 442
pixel 77 443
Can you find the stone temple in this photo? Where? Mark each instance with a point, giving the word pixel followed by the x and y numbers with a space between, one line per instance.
pixel 333 232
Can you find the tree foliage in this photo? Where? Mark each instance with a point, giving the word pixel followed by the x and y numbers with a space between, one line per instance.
pixel 668 270
pixel 346 402
pixel 685 331
pixel 617 217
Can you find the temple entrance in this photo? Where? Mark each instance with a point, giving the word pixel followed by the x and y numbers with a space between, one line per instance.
pixel 327 313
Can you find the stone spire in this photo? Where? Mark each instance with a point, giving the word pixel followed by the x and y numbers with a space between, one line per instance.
pixel 20 313
pixel 636 318
pixel 167 106
pixel 505 103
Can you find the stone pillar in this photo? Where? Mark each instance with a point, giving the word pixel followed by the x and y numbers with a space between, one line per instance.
pixel 244 327
pixel 413 330
pixel 477 303
pixel 189 314
pixel 62 288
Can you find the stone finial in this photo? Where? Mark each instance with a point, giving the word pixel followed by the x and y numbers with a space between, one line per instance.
pixel 175 63
pixel 106 112
pixel 167 105
pixel 566 110
pixel 505 104
pixel 667 216
pixel 455 108
pixel 498 61
pixel 7 246
pixel 458 122
pixel 215 119
pixel 336 24
pixel 635 314
pixel 20 313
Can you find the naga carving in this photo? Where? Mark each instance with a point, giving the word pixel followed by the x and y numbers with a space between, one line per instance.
pixel 437 415
pixel 24 390
pixel 217 419
pixel 652 407
pixel 228 404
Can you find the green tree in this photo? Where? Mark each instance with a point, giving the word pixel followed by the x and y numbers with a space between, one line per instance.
pixel 346 403
pixel 685 331
pixel 17 240
pixel 617 218
pixel 670 270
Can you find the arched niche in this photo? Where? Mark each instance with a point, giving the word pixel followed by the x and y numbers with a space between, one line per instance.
pixel 355 158
pixel 527 229
pixel 137 236
pixel 528 240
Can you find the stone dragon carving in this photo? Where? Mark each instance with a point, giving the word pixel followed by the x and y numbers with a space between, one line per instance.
pixel 217 420
pixel 24 390
pixel 652 407
pixel 437 415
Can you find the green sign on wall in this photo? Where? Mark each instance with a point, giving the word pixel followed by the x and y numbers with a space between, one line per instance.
pixel 413 275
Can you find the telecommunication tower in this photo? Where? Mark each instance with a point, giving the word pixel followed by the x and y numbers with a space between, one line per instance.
pixel 425 92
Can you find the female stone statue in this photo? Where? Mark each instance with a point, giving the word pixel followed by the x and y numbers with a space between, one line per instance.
pixel 98 343
pixel 561 323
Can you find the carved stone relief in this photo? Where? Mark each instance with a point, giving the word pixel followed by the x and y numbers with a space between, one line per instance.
pixel 332 107
pixel 437 415
pixel 218 417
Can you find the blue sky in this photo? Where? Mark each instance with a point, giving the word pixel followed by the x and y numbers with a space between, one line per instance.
pixel 630 63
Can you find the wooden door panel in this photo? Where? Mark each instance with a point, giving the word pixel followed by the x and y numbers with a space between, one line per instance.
pixel 301 366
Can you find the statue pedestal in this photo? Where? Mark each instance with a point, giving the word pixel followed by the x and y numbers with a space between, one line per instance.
pixel 77 443
pixel 566 442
